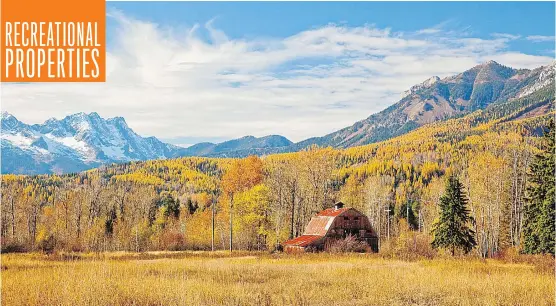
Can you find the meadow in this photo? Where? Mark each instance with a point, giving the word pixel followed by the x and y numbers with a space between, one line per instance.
pixel 205 278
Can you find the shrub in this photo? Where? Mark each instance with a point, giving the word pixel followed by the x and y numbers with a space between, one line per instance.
pixel 47 244
pixel 542 263
pixel 172 241
pixel 13 247
pixel 349 244
pixel 409 245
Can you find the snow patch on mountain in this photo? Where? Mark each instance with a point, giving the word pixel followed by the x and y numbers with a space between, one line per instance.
pixel 18 139
pixel 114 153
pixel 426 84
pixel 546 77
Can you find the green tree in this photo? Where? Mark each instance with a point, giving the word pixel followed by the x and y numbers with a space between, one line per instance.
pixel 110 221
pixel 452 230
pixel 192 206
pixel 172 206
pixel 538 230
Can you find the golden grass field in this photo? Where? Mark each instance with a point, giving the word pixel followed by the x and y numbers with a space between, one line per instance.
pixel 204 278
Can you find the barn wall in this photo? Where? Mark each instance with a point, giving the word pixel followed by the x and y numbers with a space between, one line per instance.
pixel 293 249
pixel 351 222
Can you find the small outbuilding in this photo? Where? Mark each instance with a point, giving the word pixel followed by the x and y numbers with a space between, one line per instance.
pixel 333 224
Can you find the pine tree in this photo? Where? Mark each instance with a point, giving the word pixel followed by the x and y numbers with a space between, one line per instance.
pixel 172 206
pixel 539 229
pixel 451 230
pixel 192 206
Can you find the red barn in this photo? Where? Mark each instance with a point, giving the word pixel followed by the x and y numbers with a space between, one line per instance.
pixel 334 224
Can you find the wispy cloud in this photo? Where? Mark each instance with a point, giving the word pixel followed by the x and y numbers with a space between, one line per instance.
pixel 429 31
pixel 540 38
pixel 441 27
pixel 506 36
pixel 175 83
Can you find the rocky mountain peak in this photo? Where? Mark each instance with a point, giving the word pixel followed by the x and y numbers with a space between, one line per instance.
pixel 425 84
pixel 546 77
pixel 491 63
pixel 10 122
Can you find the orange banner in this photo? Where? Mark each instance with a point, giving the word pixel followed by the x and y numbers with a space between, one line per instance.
pixel 53 41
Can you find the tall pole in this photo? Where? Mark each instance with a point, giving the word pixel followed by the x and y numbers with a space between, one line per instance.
pixel 213 213
pixel 379 224
pixel 388 218
pixel 419 219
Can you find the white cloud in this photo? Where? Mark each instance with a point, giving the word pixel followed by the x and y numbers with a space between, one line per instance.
pixel 540 38
pixel 429 31
pixel 506 36
pixel 173 84
pixel 521 60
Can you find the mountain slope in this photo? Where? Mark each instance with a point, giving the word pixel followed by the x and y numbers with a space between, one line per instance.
pixel 248 145
pixel 439 99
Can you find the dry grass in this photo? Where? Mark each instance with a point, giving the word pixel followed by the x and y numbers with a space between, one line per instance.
pixel 199 278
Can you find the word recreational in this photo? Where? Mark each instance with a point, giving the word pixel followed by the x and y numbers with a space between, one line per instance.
pixel 59 49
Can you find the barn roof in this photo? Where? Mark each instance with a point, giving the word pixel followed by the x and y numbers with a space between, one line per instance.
pixel 332 212
pixel 303 240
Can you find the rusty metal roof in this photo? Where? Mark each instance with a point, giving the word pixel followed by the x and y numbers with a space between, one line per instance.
pixel 303 240
pixel 318 225
pixel 331 212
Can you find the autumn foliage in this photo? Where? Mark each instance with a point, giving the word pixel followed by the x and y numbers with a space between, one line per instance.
pixel 263 201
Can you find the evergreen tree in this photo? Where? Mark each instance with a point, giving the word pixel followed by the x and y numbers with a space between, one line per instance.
pixel 192 206
pixel 451 230
pixel 539 229
pixel 110 221
pixel 172 206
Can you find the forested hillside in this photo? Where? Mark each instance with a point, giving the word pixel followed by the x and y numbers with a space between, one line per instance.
pixel 169 204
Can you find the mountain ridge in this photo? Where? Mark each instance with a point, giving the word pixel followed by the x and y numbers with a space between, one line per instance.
pixel 440 99
pixel 81 141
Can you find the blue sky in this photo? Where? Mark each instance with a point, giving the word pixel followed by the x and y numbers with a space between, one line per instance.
pixel 188 72
pixel 282 19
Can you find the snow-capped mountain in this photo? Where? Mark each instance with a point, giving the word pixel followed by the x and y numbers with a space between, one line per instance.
pixel 84 141
pixel 77 142
pixel 545 77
